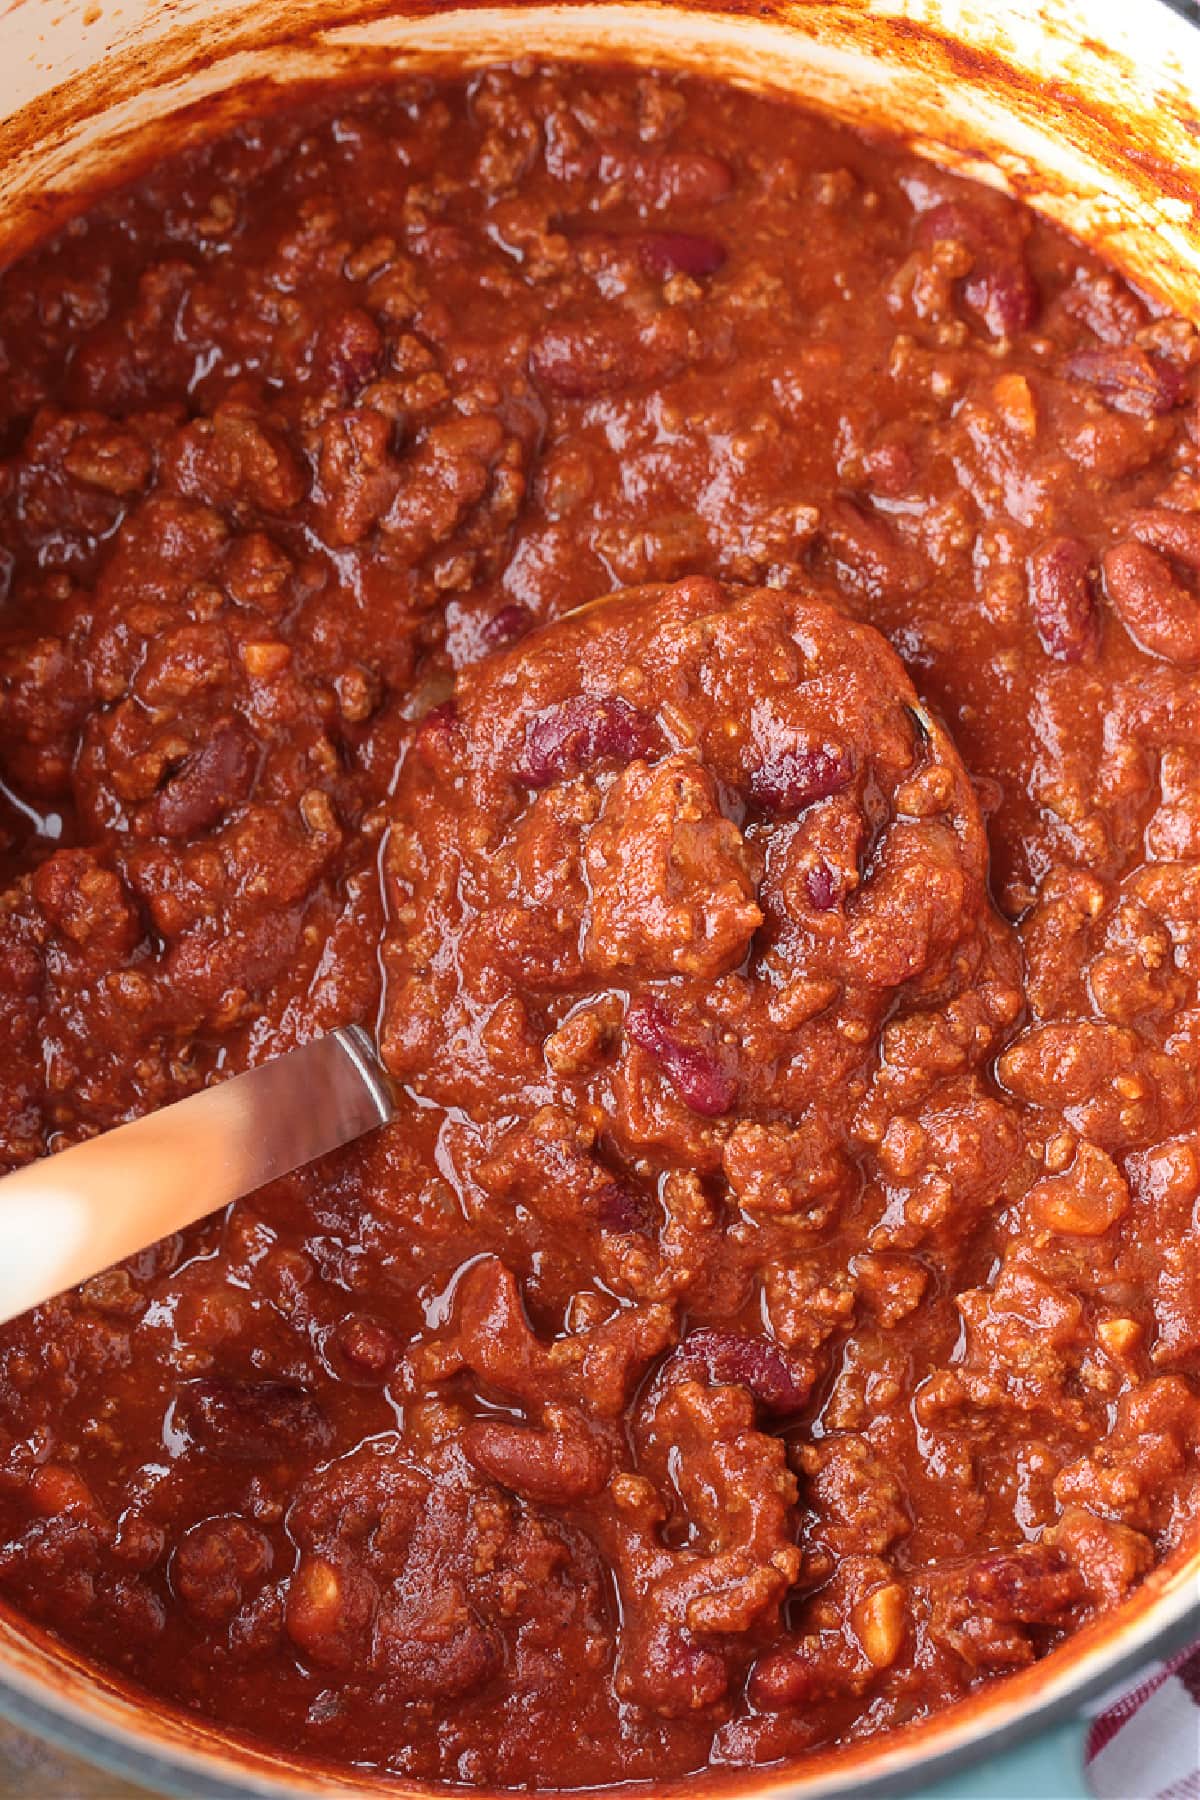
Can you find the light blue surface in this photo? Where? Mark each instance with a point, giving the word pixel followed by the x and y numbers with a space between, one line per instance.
pixel 1047 1767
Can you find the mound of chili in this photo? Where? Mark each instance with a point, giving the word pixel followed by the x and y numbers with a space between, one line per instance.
pixel 776 1308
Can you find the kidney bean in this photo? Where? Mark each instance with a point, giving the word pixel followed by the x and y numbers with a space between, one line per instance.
pixel 781 1680
pixel 250 1421
pixel 585 357
pixel 1129 380
pixel 1000 287
pixel 1109 310
pixel 554 1467
pixel 575 733
pixel 439 736
pixel 1004 294
pixel 363 1349
pixel 778 1380
pixel 616 1207
pixel 506 625
pixel 1176 534
pixel 349 350
pixel 692 1069
pixel 664 253
pixel 822 887
pixel 211 780
pixel 689 178
pixel 959 219
pixel 1157 611
pixel 790 778
pixel 668 178
pixel 1033 1583
pixel 1062 598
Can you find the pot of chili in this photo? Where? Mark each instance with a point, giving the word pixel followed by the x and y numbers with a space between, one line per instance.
pixel 765 1350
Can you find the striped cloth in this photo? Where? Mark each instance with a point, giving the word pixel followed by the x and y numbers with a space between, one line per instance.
pixel 1144 1744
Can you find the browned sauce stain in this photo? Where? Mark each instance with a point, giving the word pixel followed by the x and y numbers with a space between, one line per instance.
pixel 1105 131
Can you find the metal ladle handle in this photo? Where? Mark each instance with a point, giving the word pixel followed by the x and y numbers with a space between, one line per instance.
pixel 67 1216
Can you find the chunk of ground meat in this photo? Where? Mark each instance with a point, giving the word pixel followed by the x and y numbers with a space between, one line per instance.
pixel 217 1564
pixel 1105 1080
pixel 693 1615
pixel 1131 1476
pixel 860 1504
pixel 431 1578
pixel 1110 1558
pixel 669 877
pixel 801 1174
pixel 598 1368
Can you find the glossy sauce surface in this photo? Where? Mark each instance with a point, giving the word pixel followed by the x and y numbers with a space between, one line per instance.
pixel 776 1308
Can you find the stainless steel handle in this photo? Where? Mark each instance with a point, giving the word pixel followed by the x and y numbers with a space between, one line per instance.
pixel 70 1215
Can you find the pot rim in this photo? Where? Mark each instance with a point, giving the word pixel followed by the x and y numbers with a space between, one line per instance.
pixel 103 1719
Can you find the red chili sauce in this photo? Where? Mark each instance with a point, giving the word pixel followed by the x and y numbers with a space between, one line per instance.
pixel 775 1311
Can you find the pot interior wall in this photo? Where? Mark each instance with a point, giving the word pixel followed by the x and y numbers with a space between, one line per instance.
pixel 1060 99
pixel 1054 100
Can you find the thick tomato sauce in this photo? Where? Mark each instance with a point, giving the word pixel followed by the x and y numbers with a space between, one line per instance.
pixel 776 1308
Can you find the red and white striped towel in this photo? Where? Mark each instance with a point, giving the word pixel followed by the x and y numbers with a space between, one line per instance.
pixel 1144 1744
